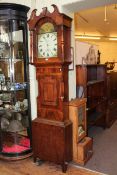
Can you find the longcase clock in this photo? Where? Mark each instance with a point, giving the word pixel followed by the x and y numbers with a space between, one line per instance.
pixel 50 35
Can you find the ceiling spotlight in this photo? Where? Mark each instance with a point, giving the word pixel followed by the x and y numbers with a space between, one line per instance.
pixel 87 37
pixel 105 15
pixel 113 38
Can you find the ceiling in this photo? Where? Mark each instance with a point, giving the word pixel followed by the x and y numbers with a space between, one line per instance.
pixel 101 21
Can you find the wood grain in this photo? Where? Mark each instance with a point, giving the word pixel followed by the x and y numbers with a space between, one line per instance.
pixel 27 167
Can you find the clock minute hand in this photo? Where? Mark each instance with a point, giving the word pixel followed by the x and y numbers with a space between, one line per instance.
pixel 50 51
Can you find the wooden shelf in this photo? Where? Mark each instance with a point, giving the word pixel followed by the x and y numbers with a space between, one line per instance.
pixel 93 79
pixel 11 91
pixel 95 103
pixel 94 82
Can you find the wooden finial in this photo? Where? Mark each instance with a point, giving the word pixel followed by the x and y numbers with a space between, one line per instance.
pixel 33 14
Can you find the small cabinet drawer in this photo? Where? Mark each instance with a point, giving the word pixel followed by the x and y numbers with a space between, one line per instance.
pixel 85 150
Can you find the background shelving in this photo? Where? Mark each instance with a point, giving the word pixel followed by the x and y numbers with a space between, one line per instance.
pixel 91 80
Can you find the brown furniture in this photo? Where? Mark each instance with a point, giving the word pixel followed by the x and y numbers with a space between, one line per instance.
pixel 112 78
pixel 50 35
pixel 77 114
pixel 82 145
pixel 91 83
pixel 84 150
pixel 112 98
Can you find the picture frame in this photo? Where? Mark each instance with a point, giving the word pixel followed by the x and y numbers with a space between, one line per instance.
pixel 71 66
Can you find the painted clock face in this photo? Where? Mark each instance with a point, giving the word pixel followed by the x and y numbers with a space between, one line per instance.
pixel 47 45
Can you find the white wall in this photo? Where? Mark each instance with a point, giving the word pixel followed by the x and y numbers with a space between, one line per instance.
pixel 82 50
pixel 23 2
pixel 47 3
pixel 108 50
pixel 72 74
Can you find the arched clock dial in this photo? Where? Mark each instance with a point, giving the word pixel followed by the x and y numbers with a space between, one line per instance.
pixel 47 45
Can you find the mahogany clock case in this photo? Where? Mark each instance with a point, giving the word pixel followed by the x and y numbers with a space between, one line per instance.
pixel 52 129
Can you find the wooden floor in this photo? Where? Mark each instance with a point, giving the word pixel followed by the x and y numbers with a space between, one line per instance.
pixel 27 167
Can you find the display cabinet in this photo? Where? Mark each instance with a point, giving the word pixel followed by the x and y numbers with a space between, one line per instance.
pixel 91 83
pixel 82 145
pixel 15 127
pixel 77 114
pixel 112 98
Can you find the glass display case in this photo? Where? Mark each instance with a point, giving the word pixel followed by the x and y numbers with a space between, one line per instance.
pixel 15 128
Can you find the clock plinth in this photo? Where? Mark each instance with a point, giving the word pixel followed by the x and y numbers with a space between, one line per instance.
pixel 50 54
pixel 53 142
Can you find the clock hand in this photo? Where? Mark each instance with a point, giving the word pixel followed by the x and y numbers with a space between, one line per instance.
pixel 49 50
